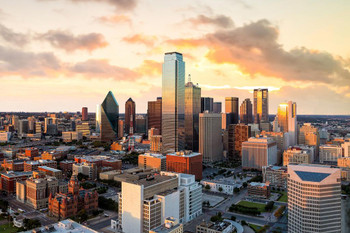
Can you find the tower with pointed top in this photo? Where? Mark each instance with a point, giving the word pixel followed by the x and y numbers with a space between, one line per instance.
pixel 130 112
pixel 73 185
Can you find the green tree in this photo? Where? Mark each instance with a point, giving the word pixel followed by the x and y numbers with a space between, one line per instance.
pixel 220 189
pixel 245 184
pixel 236 190
pixel 207 187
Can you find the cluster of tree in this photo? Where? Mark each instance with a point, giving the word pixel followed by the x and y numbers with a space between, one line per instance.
pixel 87 185
pixel 101 190
pixel 105 145
pixel 236 190
pixel 81 216
pixel 107 204
pixel 245 184
pixel 217 217
pixel 345 189
pixel 206 203
pixel 263 229
pixel 31 223
pixel 132 158
pixel 280 211
pixel 207 187
pixel 244 209
pixel 269 206
pixel 4 205
pixel 111 183
pixel 81 177
pixel 258 178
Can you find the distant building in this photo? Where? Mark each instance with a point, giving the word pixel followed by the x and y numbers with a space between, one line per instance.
pixel 171 225
pixel 185 162
pixel 154 114
pixel 70 136
pixel 9 180
pixel 217 227
pixel 141 124
pixel 344 162
pixel 261 105
pixel 330 153
pixel 217 107
pixel 207 104
pixel 210 138
pixel 34 165
pixel 346 148
pixel 156 143
pixel 298 155
pixel 259 190
pixel 130 114
pixel 282 140
pixel 275 175
pixel 83 128
pixel 246 112
pixel 88 169
pixel 49 171
pixel 231 108
pixel 310 188
pixel 152 161
pixel 287 120
pixel 84 114
pixel 120 128
pixel 259 152
pixel 221 186
pixel 242 134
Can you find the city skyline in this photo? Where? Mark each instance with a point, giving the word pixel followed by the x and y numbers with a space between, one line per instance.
pixel 49 59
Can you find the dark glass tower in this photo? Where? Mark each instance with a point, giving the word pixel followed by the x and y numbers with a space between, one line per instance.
pixel 207 104
pixel 130 113
pixel 231 107
pixel 107 117
pixel 246 113
pixel 154 114
pixel 173 103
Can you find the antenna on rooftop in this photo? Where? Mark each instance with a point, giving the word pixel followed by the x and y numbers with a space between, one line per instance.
pixel 189 78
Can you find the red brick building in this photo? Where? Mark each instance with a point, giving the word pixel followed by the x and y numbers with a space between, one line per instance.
pixel 260 190
pixel 67 205
pixel 66 166
pixel 33 165
pixel 9 180
pixel 100 161
pixel 185 162
pixel 31 152
pixel 13 165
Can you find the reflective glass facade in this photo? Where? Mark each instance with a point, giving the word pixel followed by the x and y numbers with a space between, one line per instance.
pixel 231 107
pixel 109 117
pixel 192 110
pixel 246 115
pixel 261 105
pixel 173 103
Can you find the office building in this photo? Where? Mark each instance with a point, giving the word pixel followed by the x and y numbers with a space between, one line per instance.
pixel 346 148
pixel 156 162
pixel 231 108
pixel 259 190
pixel 298 155
pixel 48 121
pixel 185 162
pixel 156 143
pixel 87 169
pixel 84 114
pixel 120 128
pixel 217 107
pixel 224 226
pixel 107 117
pixel 226 119
pixel 173 103
pixel 33 165
pixel 10 178
pixel 49 171
pixel 210 138
pixel 259 152
pixel 70 136
pixel 38 127
pixel 242 134
pixel 246 112
pixel 141 124
pixel 15 122
pixel 192 110
pixel 23 127
pixel 330 153
pixel 83 128
pixel 344 162
pixel 207 104
pixel 130 114
pixel 261 105
pixel 281 138
pixel 65 226
pixel 154 114
pixel 287 120
pixel 276 176
pixel 171 225
pixel 314 199
pixel 229 141
pixel 308 135
pixel 144 204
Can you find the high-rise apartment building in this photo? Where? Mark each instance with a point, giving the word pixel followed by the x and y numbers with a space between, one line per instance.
pixel 173 103
pixel 287 120
pixel 145 204
pixel 107 117
pixel 259 152
pixel 207 104
pixel 231 107
pixel 84 114
pixel 154 114
pixel 192 110
pixel 261 105
pixel 130 114
pixel 185 162
pixel 246 112
pixel 210 138
pixel 217 107
pixel 314 199
pixel 346 148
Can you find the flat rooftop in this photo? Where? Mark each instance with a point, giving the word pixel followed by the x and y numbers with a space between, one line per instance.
pixel 50 168
pixel 64 226
pixel 152 181
pixel 184 154
pixel 16 174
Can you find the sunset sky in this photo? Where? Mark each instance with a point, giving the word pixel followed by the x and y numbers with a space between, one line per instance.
pixel 61 55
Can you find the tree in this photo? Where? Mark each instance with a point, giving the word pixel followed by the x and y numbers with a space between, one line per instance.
pixel 269 206
pixel 236 190
pixel 243 223
pixel 220 189
pixel 245 184
pixel 233 218
pixel 31 223
pixel 107 204
pixel 207 187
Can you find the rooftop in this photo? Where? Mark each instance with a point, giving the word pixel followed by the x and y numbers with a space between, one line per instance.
pixel 12 174
pixel 153 180
pixel 185 154
pixel 64 226
pixel 50 168
pixel 312 176
pixel 258 184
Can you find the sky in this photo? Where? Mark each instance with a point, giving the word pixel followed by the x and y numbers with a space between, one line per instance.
pixel 61 55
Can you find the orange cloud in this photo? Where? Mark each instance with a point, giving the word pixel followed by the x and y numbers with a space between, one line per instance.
pixel 115 19
pixel 150 67
pixel 141 39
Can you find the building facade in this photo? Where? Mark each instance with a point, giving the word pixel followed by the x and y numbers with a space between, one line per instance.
pixel 185 162
pixel 130 114
pixel 261 105
pixel 330 153
pixel 231 107
pixel 154 114
pixel 246 112
pixel 152 161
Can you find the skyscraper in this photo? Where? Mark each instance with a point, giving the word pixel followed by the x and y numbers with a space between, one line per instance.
pixel 231 107
pixel 154 114
pixel 130 113
pixel 314 199
pixel 261 105
pixel 287 120
pixel 192 110
pixel 207 104
pixel 246 114
pixel 217 107
pixel 173 103
pixel 210 139
pixel 84 114
pixel 107 117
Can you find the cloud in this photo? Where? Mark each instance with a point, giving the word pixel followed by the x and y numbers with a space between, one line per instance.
pixel 94 68
pixel 27 64
pixel 12 37
pixel 118 4
pixel 115 19
pixel 150 68
pixel 69 42
pixel 219 21
pixel 140 39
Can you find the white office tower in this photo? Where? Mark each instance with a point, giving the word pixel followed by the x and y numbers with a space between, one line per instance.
pixel 145 204
pixel 314 199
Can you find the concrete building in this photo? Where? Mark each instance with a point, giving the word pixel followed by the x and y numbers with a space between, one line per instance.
pixel 70 136
pixel 308 135
pixel 217 227
pixel 217 107
pixel 130 117
pixel 259 190
pixel 144 204
pixel 287 120
pixel 231 108
pixel 221 186
pixel 152 161
pixel 5 136
pixel 83 129
pixel 210 138
pixel 276 176
pixel 49 171
pixel 65 226
pixel 346 148
pixel 185 162
pixel 88 169
pixel 330 153
pixel 34 165
pixel 314 199
pixel 298 155
pixel 344 162
pixel 207 104
pixel 259 152
pixel 84 114
pixel 171 225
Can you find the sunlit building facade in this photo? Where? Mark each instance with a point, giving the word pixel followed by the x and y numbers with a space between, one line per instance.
pixel 130 112
pixel 154 114
pixel 173 103
pixel 192 110
pixel 231 107
pixel 287 120
pixel 261 105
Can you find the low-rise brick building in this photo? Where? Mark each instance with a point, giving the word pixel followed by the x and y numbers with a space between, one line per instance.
pixel 261 190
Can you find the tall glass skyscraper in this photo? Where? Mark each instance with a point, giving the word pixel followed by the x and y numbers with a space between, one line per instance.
pixel 231 107
pixel 261 105
pixel 107 117
pixel 130 113
pixel 246 116
pixel 192 110
pixel 287 120
pixel 173 103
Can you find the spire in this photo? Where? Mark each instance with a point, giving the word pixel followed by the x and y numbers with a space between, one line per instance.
pixel 189 78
